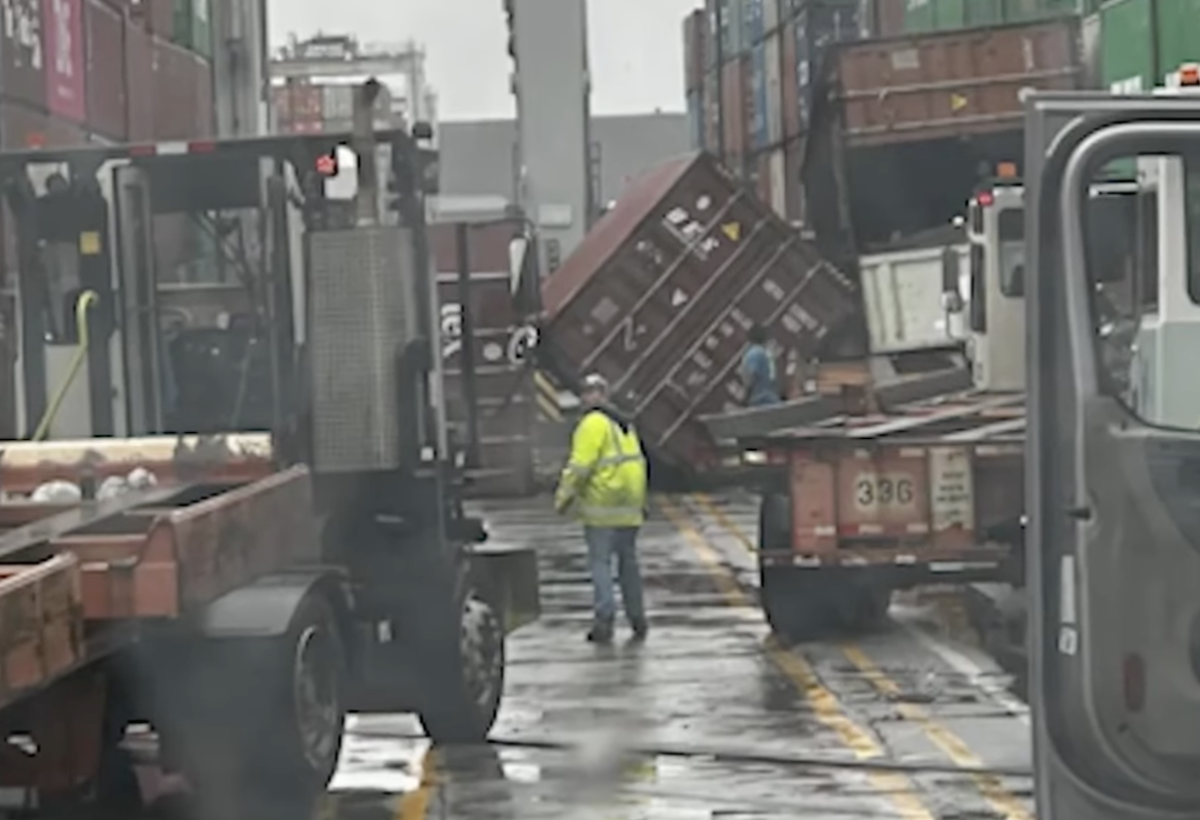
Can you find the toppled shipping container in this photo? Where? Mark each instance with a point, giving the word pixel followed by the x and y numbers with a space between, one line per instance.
pixel 660 294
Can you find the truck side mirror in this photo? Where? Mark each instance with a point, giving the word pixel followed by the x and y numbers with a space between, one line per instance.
pixel 524 282
pixel 952 301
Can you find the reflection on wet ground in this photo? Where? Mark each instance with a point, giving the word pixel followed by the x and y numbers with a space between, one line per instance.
pixel 707 719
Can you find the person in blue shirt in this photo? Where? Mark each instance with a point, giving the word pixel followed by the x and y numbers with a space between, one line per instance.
pixel 758 370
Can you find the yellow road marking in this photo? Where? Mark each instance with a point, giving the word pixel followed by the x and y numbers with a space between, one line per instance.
pixel 897 788
pixel 415 804
pixel 1001 800
pixel 998 797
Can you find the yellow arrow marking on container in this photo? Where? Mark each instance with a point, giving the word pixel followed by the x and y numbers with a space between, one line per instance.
pixel 733 230
pixel 958 102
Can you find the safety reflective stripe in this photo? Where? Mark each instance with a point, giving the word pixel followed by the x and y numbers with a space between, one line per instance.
pixel 608 461
pixel 587 510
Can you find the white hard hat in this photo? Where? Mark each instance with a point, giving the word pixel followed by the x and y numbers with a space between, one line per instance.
pixel 594 381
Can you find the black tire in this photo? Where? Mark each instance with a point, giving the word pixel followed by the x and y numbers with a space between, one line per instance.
pixel 262 716
pixel 461 695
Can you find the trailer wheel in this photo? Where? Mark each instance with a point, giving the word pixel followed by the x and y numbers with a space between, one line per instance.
pixel 795 604
pixel 462 693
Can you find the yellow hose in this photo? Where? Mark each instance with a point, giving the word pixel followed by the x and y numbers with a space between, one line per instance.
pixel 86 302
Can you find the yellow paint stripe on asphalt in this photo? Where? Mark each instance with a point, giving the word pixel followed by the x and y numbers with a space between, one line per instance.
pixel 1001 800
pixel 725 521
pixel 998 797
pixel 415 804
pixel 897 788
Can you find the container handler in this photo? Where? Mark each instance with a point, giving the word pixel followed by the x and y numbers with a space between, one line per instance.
pixel 281 567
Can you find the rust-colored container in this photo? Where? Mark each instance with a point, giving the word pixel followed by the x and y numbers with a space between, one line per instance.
pixel 789 85
pixel 307 101
pixel 159 17
pixel 23 53
pixel 737 108
pixel 503 381
pixel 712 111
pixel 139 80
pixel 198 70
pixel 660 294
pixel 886 17
pixel 695 49
pixel 177 85
pixel 908 89
pixel 23 127
pixel 63 37
pixel 105 46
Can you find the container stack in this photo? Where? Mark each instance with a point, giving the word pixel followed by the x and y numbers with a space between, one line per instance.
pixel 1141 42
pixel 76 71
pixel 303 107
pixel 922 16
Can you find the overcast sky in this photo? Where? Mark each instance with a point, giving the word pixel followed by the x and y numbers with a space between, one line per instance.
pixel 636 48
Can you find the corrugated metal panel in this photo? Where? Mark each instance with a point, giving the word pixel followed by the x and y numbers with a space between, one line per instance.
pixel 953 83
pixel 950 14
pixel 205 117
pixel 695 49
pixel 503 381
pixel 762 178
pixel 183 96
pixel 106 97
pixel 659 295
pixel 818 26
pixel 919 16
pixel 66 89
pixel 337 102
pixel 24 127
pixel 796 205
pixel 1126 47
pixel 760 128
pixel 139 81
pixel 887 17
pixel 695 110
pixel 729 17
pixel 23 53
pixel 773 66
pixel 793 124
pixel 308 101
pixel 983 13
pixel 712 113
pixel 737 109
pixel 777 174
pixel 1178 35
pixel 160 17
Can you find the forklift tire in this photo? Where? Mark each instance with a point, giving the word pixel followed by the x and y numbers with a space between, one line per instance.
pixel 462 693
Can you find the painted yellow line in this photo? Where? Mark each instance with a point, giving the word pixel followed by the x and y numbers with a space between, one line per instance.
pixel 998 797
pixel 897 788
pixel 1001 800
pixel 415 804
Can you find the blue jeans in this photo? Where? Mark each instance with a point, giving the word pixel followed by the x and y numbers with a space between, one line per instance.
pixel 603 543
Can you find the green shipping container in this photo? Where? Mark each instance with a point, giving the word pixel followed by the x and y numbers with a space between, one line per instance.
pixel 1126 57
pixel 193 29
pixel 1178 35
pixel 919 16
pixel 949 14
pixel 983 13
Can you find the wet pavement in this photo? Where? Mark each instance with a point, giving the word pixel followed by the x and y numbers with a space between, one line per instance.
pixel 709 718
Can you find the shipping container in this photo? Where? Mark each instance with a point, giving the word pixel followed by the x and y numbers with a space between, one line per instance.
pixel 159 17
pixel 139 82
pixel 23 127
pixel 886 17
pixel 205 118
pixel 737 111
pixel 337 102
pixel 712 112
pixel 105 49
pixel 23 53
pixel 183 95
pixel 789 84
pixel 659 295
pixel 777 176
pixel 192 28
pixel 762 178
pixel 819 25
pixel 66 88
pixel 772 68
pixel 760 114
pixel 695 112
pixel 1178 35
pixel 503 381
pixel 753 23
pixel 793 158
pixel 952 83
pixel 1127 29
pixel 695 49
pixel 726 29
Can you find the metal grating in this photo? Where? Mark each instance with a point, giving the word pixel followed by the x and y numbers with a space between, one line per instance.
pixel 362 304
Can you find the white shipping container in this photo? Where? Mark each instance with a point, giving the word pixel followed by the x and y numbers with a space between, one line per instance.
pixel 902 293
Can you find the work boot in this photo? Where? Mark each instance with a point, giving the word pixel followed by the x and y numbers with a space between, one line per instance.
pixel 600 633
pixel 640 630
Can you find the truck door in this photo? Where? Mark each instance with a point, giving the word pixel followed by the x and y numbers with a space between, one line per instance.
pixel 138 305
pixel 1113 499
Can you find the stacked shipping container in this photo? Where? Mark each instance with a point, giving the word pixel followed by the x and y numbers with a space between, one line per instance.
pixel 920 16
pixel 302 107
pixel 1141 42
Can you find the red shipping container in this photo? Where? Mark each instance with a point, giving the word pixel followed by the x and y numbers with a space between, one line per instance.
pixel 175 88
pixel 887 18
pixel 66 90
pixel 308 101
pixel 736 101
pixel 23 127
pixel 106 98
pixel 139 81
pixel 23 53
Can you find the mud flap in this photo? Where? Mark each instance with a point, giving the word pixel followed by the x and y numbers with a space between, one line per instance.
pixel 508 578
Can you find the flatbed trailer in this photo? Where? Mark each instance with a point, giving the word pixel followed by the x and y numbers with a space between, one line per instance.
pixel 858 506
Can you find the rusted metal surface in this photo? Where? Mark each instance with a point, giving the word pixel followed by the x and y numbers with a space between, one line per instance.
pixel 23 53
pixel 504 381
pixel 952 83
pixel 180 78
pixel 41 624
pixel 22 127
pixel 737 106
pixel 106 93
pixel 139 81
pixel 920 485
pixel 660 294
pixel 886 18
pixel 172 459
pixel 66 88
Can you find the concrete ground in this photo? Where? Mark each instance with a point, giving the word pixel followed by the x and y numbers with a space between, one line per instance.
pixel 710 718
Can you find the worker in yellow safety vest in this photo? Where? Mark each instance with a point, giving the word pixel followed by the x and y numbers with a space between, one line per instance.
pixel 604 487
